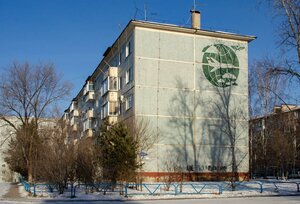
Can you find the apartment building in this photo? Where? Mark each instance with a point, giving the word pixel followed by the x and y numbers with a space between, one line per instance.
pixel 169 76
pixel 275 143
pixel 7 133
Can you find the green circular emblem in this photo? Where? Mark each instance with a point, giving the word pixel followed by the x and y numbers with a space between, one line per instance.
pixel 220 64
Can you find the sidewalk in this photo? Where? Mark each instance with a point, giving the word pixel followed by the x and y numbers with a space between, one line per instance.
pixel 13 192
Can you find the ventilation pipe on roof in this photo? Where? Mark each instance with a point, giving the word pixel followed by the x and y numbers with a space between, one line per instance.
pixel 195 19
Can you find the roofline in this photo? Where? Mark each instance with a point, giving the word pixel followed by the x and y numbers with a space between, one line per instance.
pixel 272 113
pixel 176 28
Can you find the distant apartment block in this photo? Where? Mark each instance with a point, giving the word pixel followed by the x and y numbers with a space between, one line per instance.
pixel 7 133
pixel 275 143
pixel 168 75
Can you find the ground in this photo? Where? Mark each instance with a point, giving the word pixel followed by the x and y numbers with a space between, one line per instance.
pixel 287 193
pixel 256 200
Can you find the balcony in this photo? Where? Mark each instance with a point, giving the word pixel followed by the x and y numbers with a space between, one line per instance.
pixel 75 112
pixel 66 117
pixel 89 133
pixel 90 96
pixel 90 113
pixel 74 127
pixel 74 120
pixel 112 97
pixel 113 71
pixel 112 119
pixel 75 141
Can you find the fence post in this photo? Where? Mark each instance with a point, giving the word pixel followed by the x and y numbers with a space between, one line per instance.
pixel 126 190
pixel 34 189
pixel 261 188
pixel 73 191
pixel 298 189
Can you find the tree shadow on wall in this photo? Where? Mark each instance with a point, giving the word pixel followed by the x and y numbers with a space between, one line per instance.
pixel 185 146
pixel 230 141
pixel 207 142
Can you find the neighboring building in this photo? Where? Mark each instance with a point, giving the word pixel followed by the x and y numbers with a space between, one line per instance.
pixel 275 143
pixel 6 134
pixel 170 76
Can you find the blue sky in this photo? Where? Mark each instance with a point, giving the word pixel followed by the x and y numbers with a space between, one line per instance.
pixel 73 34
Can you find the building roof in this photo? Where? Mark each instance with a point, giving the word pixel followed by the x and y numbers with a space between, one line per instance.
pixel 177 28
pixel 278 109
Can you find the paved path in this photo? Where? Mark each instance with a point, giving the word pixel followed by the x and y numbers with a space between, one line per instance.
pixel 13 192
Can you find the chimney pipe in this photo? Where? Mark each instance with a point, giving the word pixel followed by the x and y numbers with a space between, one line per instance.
pixel 195 19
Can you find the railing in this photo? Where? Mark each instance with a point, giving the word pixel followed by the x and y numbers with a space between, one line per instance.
pixel 199 188
pixel 131 189
pixel 243 186
pixel 26 185
pixel 279 184
pixel 152 189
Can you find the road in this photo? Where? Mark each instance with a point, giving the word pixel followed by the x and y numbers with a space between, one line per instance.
pixel 253 200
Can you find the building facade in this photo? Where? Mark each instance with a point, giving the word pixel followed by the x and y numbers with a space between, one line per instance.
pixel 6 133
pixel 175 78
pixel 275 143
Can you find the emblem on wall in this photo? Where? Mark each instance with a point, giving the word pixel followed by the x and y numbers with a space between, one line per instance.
pixel 220 64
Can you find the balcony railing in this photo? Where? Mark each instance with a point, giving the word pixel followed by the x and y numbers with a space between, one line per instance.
pixel 90 96
pixel 75 127
pixel 90 113
pixel 113 71
pixel 75 112
pixel 89 133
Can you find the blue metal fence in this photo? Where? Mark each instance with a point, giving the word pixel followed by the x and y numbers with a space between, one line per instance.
pixel 130 189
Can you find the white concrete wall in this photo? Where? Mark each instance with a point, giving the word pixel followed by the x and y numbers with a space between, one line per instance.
pixel 173 94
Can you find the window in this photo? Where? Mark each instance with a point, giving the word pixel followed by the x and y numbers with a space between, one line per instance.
pixel 129 102
pixel 104 111
pixel 113 108
pixel 120 107
pixel 129 75
pixel 128 49
pixel 120 83
pixel 91 87
pixel 104 87
pixel 113 83
pixel 88 124
pixel 122 54
pixel 115 61
pixel 120 58
pixel 88 87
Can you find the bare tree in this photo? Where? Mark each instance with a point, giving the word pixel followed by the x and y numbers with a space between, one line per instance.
pixel 289 30
pixel 57 165
pixel 142 133
pixel 288 12
pixel 86 161
pixel 265 89
pixel 27 92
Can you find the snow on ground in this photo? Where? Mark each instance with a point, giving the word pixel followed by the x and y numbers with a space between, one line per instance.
pixel 189 190
pixel 4 187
